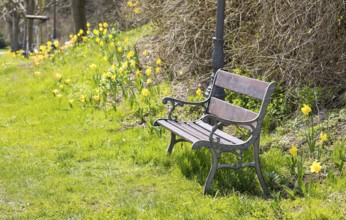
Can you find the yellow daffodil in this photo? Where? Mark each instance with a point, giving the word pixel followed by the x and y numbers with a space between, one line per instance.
pixel 43 48
pixel 158 62
pixel 306 109
pixel 125 65
pixel 57 76
pixel 323 137
pixel 74 39
pixel 145 53
pixel 70 101
pixel 137 11
pixel 315 167
pixel 149 81
pixel 55 92
pixel 148 71
pixel 130 54
pixel 56 43
pixel 199 92
pixel 293 151
pixel 126 40
pixel 138 72
pixel 61 86
pixel 83 98
pixel 121 70
pixel 81 32
pixel 158 70
pixel 105 24
pixel 67 81
pixel 88 24
pixel 112 44
pixel 130 4
pixel 108 75
pixel 145 92
pixel 132 63
pixel 88 32
pixel 181 73
pixel 37 74
pixel 93 66
pixel 96 98
pixel 96 32
pixel 120 49
pixel 113 67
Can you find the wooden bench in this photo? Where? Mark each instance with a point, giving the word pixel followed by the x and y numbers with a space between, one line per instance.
pixel 202 133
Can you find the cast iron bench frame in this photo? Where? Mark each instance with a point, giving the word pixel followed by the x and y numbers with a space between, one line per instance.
pixel 203 134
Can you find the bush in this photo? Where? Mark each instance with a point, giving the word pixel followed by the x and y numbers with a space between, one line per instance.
pixel 3 43
pixel 289 41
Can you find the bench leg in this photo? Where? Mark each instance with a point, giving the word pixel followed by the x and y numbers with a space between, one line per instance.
pixel 213 169
pixel 172 143
pixel 258 169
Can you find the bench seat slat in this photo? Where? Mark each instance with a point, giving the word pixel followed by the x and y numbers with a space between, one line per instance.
pixel 221 133
pixel 177 130
pixel 203 129
pixel 199 130
pixel 196 132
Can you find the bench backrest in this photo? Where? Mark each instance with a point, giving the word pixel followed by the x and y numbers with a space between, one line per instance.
pixel 240 84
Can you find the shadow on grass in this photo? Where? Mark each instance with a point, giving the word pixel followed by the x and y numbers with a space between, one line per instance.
pixel 195 165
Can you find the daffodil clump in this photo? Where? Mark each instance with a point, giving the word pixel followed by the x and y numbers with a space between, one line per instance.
pixel 119 75
pixel 46 51
pixel 307 159
pixel 134 6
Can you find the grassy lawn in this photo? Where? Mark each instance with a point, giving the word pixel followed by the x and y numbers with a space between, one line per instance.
pixel 67 160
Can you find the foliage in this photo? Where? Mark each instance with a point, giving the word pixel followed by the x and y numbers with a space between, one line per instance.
pixel 118 75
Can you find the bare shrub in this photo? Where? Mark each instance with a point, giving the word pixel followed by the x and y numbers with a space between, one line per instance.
pixel 293 41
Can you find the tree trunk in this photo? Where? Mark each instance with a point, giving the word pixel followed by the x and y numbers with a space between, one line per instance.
pixel 13 28
pixel 42 39
pixel 30 10
pixel 79 15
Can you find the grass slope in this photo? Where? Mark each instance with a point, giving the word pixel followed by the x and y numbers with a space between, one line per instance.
pixel 58 162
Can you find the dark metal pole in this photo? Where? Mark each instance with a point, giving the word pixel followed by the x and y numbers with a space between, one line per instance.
pixel 218 53
pixel 54 21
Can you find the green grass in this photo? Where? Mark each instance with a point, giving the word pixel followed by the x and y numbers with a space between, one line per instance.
pixel 58 162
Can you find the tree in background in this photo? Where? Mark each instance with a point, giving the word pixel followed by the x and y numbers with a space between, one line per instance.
pixel 30 10
pixel 79 14
pixel 12 12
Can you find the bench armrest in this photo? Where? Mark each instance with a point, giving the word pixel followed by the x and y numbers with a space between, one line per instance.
pixel 219 123
pixel 176 102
